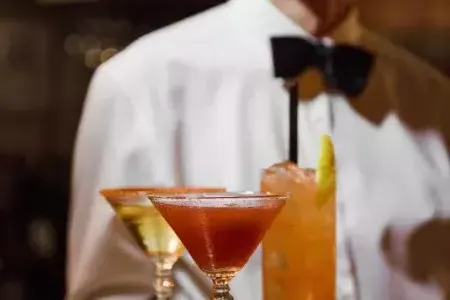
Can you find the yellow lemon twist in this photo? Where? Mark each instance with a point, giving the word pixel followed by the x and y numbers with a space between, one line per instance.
pixel 326 172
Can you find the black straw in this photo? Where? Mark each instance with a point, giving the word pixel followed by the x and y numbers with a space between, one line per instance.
pixel 293 123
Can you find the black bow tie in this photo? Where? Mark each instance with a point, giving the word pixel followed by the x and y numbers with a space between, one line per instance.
pixel 345 68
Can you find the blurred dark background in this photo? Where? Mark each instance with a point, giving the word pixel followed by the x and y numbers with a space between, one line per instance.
pixel 48 52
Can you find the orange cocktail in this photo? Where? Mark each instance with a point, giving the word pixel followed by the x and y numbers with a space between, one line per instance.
pixel 299 248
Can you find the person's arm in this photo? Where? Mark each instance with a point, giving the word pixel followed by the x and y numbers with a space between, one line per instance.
pixel 114 147
pixel 403 84
pixel 419 95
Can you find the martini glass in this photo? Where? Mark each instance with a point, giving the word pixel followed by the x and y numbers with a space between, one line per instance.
pixel 150 230
pixel 220 230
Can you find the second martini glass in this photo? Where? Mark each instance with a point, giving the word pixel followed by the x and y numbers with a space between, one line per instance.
pixel 220 230
pixel 150 230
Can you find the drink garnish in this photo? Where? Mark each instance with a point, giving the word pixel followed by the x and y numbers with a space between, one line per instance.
pixel 326 172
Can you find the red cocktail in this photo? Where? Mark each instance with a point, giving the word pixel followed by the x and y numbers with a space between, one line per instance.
pixel 220 231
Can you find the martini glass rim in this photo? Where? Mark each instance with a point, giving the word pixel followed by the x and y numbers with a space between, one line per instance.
pixel 129 191
pixel 139 196
pixel 222 196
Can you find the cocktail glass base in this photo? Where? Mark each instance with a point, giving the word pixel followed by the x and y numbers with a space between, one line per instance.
pixel 221 287
pixel 163 283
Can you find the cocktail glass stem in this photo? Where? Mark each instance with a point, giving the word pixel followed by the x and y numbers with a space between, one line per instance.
pixel 163 283
pixel 221 287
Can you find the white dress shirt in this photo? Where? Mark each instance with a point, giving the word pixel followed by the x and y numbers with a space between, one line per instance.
pixel 192 104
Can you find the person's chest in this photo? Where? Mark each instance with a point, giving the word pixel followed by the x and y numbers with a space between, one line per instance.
pixel 232 124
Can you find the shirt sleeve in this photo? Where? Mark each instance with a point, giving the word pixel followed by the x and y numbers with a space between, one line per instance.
pixel 116 146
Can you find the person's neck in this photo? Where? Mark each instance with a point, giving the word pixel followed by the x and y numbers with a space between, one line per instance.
pixel 299 13
pixel 347 31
